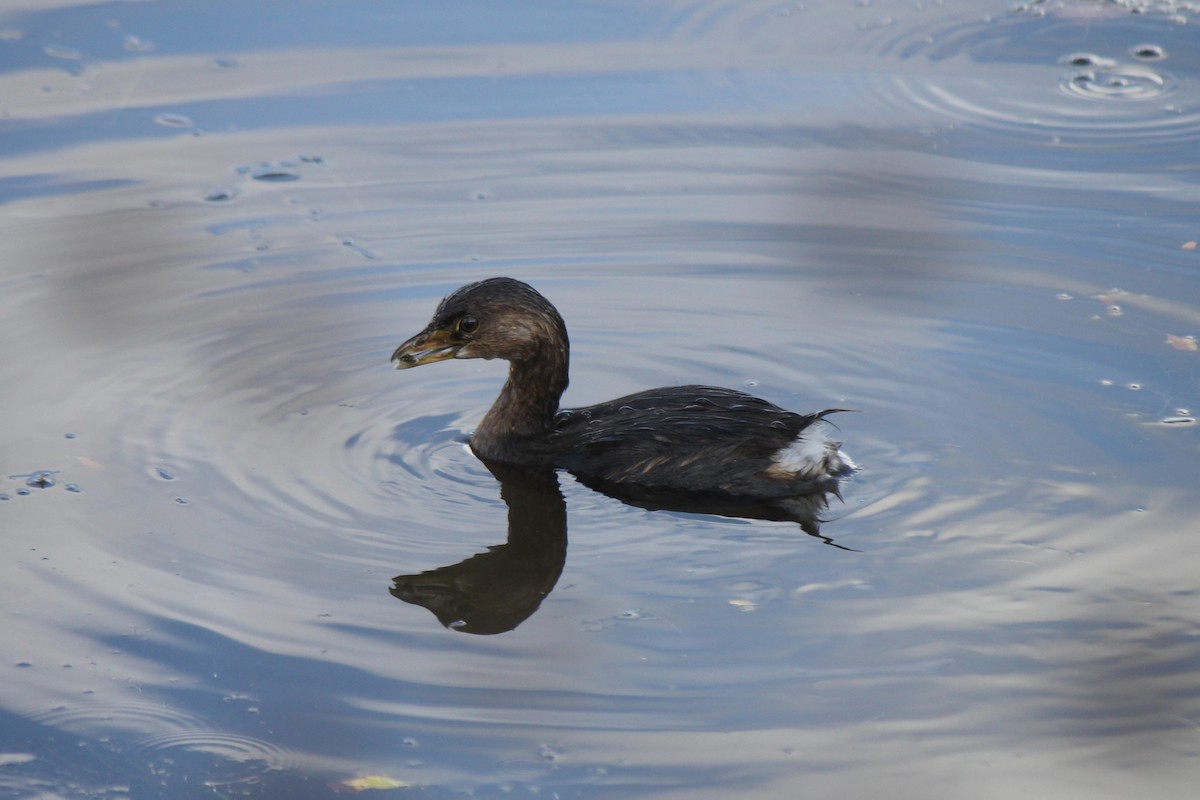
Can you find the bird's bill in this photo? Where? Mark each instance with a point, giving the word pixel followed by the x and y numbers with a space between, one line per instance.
pixel 426 347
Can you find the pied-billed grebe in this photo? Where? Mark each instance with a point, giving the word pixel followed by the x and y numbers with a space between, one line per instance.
pixel 696 439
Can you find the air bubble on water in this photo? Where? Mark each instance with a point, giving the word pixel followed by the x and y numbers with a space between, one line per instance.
pixel 1086 60
pixel 1133 387
pixel 270 173
pixel 68 435
pixel 1115 311
pixel 1147 52
pixel 63 52
pixel 1064 296
pixel 1106 382
pixel 173 121
pixel 219 195
pixel 73 487
pixel 136 44
pixel 162 473
pixel 4 496
pixel 357 248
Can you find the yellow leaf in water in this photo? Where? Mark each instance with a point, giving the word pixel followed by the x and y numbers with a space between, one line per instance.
pixel 1189 245
pixel 373 782
pixel 1182 342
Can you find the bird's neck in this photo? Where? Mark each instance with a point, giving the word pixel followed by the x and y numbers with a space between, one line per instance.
pixel 525 408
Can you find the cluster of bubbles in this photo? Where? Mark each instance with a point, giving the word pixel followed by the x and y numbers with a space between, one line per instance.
pixel 38 479
pixel 1096 77
pixel 1179 12
pixel 283 171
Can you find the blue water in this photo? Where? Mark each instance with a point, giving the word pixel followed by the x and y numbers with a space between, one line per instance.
pixel 973 222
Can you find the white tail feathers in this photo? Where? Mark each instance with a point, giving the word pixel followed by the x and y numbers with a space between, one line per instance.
pixel 812 456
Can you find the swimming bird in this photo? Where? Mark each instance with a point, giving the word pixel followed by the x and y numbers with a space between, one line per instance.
pixel 723 445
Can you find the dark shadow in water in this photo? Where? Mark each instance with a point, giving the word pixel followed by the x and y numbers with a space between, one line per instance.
pixel 496 590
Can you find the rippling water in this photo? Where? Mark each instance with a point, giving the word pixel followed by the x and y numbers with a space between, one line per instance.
pixel 222 511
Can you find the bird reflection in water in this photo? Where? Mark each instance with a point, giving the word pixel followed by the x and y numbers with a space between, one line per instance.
pixel 498 589
pixel 703 449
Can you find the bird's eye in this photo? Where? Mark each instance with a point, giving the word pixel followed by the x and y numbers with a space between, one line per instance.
pixel 467 324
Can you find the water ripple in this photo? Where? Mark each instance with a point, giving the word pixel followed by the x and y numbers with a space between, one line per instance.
pixel 1095 78
pixel 225 758
pixel 1117 95
pixel 124 719
pixel 171 741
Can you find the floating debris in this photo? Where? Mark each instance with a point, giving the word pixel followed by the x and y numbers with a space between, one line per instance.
pixel 1187 343
pixel 38 479
pixel 368 782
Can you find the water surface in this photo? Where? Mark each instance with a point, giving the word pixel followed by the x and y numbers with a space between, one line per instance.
pixel 975 222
